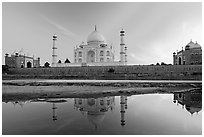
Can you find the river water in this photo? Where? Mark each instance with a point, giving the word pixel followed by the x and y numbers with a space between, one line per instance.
pixel 149 114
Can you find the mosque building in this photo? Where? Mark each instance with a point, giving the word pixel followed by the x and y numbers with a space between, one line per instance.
pixel 18 60
pixel 192 55
pixel 96 52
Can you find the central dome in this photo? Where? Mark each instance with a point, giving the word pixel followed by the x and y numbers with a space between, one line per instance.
pixel 95 36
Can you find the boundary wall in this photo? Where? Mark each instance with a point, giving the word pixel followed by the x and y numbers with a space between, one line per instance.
pixel 168 72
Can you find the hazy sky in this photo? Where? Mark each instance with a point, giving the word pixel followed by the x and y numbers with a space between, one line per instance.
pixel 153 30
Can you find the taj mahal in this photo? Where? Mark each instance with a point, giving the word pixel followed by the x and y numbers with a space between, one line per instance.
pixel 96 52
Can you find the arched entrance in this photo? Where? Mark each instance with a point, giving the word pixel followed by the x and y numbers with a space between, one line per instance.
pixel 91 56
pixel 22 66
pixel 179 60
pixel 29 65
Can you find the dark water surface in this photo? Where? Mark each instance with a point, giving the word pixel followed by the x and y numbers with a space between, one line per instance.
pixel 139 114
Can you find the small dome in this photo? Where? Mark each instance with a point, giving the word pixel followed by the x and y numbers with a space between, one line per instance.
pixel 95 36
pixel 192 45
pixel 196 45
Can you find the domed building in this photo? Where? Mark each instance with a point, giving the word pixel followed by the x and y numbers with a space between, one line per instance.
pixel 95 52
pixel 18 60
pixel 192 55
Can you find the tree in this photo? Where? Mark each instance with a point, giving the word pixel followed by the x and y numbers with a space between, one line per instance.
pixel 67 61
pixel 5 68
pixel 111 70
pixel 157 64
pixel 47 65
pixel 162 63
pixel 59 61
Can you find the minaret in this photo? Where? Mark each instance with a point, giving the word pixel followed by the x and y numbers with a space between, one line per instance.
pixel 6 59
pixel 122 110
pixel 174 58
pixel 122 47
pixel 38 65
pixel 54 54
pixel 125 55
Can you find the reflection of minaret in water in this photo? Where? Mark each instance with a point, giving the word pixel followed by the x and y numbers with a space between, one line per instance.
pixel 54 116
pixel 122 109
pixel 125 102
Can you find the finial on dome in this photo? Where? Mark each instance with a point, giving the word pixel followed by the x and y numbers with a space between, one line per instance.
pixel 95 28
pixel 191 40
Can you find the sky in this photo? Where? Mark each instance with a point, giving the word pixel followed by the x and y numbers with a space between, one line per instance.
pixel 153 30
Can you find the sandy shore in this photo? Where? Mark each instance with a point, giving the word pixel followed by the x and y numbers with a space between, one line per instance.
pixel 13 90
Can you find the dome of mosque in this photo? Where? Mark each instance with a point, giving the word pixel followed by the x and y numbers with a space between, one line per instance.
pixel 192 45
pixel 95 36
pixel 196 45
pixel 189 45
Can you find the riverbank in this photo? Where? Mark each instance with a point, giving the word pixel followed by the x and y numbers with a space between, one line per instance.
pixel 15 90
pixel 114 83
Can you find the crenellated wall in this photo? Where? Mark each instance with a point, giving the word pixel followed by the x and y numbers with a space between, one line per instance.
pixel 191 72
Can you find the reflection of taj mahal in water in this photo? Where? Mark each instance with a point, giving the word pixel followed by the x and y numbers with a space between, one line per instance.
pixel 96 52
pixel 96 108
